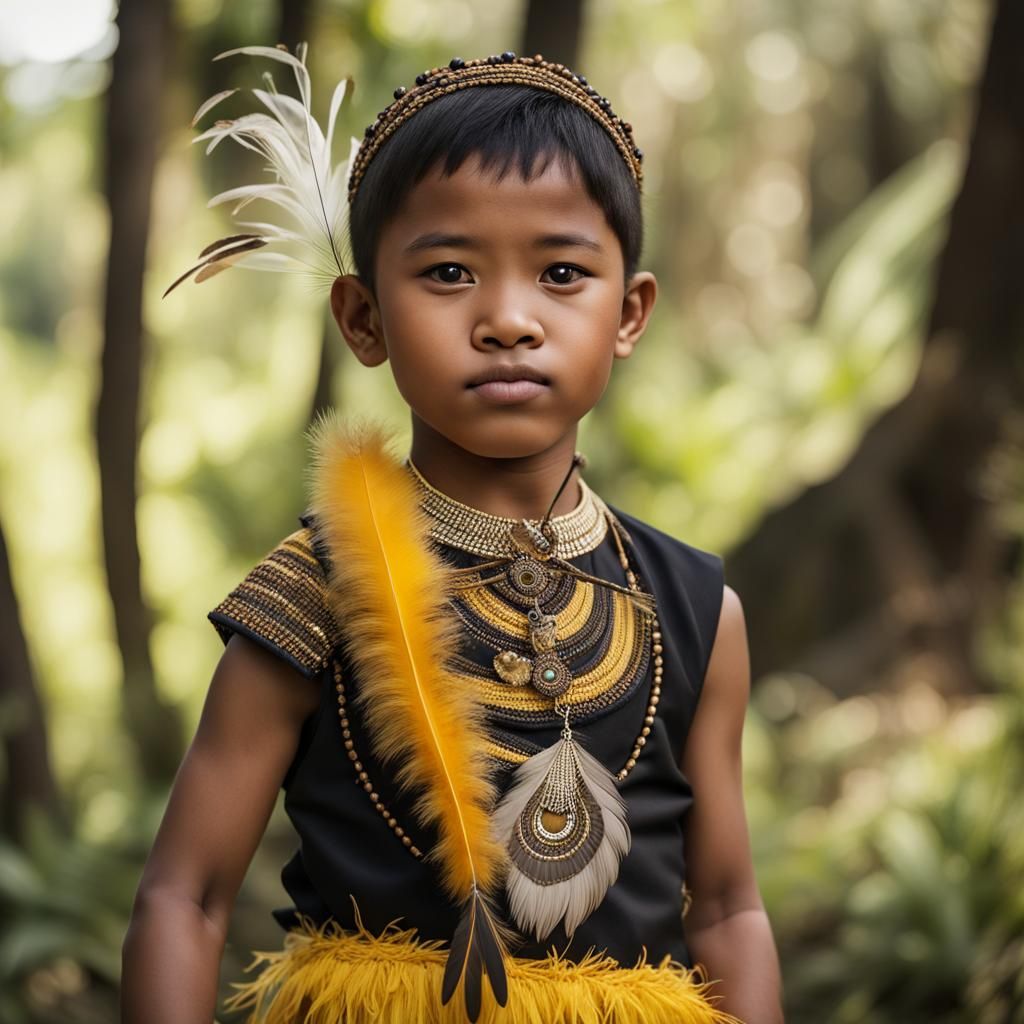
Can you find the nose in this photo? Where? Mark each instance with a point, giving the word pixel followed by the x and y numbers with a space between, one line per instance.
pixel 507 323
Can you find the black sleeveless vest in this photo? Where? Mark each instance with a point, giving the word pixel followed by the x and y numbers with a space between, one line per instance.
pixel 347 850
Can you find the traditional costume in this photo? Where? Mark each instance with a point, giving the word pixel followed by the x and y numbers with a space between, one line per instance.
pixel 603 633
pixel 489 798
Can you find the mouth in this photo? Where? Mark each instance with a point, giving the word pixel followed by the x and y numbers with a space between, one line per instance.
pixel 505 384
pixel 506 392
pixel 510 373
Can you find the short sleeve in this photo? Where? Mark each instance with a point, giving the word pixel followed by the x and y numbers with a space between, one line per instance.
pixel 282 604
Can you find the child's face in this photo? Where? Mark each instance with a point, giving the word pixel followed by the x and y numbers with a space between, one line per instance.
pixel 506 288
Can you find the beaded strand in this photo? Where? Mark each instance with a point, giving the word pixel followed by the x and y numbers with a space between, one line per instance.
pixel 658 661
pixel 361 774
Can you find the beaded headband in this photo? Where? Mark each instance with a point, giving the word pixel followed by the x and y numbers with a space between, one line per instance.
pixel 503 69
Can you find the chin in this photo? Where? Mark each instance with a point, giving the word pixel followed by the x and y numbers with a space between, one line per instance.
pixel 504 450
pixel 502 440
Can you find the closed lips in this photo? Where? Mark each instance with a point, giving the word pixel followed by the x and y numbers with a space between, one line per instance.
pixel 509 374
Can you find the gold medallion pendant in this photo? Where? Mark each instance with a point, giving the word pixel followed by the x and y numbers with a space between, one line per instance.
pixel 527 575
pixel 513 668
pixel 551 676
pixel 547 672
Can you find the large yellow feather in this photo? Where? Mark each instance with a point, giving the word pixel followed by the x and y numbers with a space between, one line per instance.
pixel 389 592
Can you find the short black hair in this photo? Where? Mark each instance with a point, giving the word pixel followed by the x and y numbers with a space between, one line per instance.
pixel 503 124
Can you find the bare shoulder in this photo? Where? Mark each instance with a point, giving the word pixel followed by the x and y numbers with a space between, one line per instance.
pixel 728 672
pixel 715 735
pixel 258 690
pixel 719 869
pixel 253 714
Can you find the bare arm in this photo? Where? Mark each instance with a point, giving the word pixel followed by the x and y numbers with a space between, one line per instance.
pixel 727 928
pixel 218 809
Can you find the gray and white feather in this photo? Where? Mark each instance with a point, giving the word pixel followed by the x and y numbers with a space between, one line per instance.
pixel 565 825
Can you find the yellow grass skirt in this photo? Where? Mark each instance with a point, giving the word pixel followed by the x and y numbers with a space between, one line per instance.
pixel 331 976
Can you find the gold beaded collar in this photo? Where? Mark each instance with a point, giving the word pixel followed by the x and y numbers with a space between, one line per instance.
pixel 481 533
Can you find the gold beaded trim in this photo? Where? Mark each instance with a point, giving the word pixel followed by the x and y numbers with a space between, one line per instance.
pixel 496 749
pixel 283 601
pixel 480 533
pixel 497 69
pixel 507 754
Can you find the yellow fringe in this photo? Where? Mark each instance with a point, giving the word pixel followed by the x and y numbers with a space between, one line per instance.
pixel 330 976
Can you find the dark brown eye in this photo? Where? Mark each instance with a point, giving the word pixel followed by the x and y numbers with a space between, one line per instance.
pixel 561 273
pixel 448 273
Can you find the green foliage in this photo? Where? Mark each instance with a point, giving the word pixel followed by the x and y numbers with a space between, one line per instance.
pixel 707 443
pixel 795 279
pixel 64 904
pixel 889 838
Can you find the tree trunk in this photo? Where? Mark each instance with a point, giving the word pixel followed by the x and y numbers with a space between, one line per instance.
pixel 894 562
pixel 29 781
pixel 886 144
pixel 293 23
pixel 293 27
pixel 554 30
pixel 134 101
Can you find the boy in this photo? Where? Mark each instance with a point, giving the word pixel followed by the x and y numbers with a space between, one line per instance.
pixel 495 227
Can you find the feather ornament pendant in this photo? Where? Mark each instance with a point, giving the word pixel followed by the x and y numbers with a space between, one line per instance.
pixel 567 835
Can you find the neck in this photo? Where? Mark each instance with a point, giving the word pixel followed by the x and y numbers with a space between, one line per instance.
pixel 521 488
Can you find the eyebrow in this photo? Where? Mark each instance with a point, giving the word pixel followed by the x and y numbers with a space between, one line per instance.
pixel 440 240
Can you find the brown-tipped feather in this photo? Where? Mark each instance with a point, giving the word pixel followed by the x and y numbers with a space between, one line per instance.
pixel 229 241
pixel 306 204
pixel 215 268
pixel 256 243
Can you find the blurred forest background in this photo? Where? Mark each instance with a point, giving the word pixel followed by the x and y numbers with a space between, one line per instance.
pixel 830 394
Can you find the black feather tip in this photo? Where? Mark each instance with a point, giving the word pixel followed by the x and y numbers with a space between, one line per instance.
pixel 476 949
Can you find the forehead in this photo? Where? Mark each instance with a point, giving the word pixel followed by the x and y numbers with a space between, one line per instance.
pixel 475 200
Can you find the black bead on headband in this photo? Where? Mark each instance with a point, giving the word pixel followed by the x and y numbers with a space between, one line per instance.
pixel 501 69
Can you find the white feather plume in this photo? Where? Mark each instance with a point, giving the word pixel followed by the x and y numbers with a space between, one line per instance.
pixel 309 194
pixel 538 908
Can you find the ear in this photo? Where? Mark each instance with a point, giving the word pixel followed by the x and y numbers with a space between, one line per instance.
pixel 358 317
pixel 637 305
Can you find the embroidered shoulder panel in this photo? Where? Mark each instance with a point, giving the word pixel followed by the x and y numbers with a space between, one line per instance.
pixel 282 605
